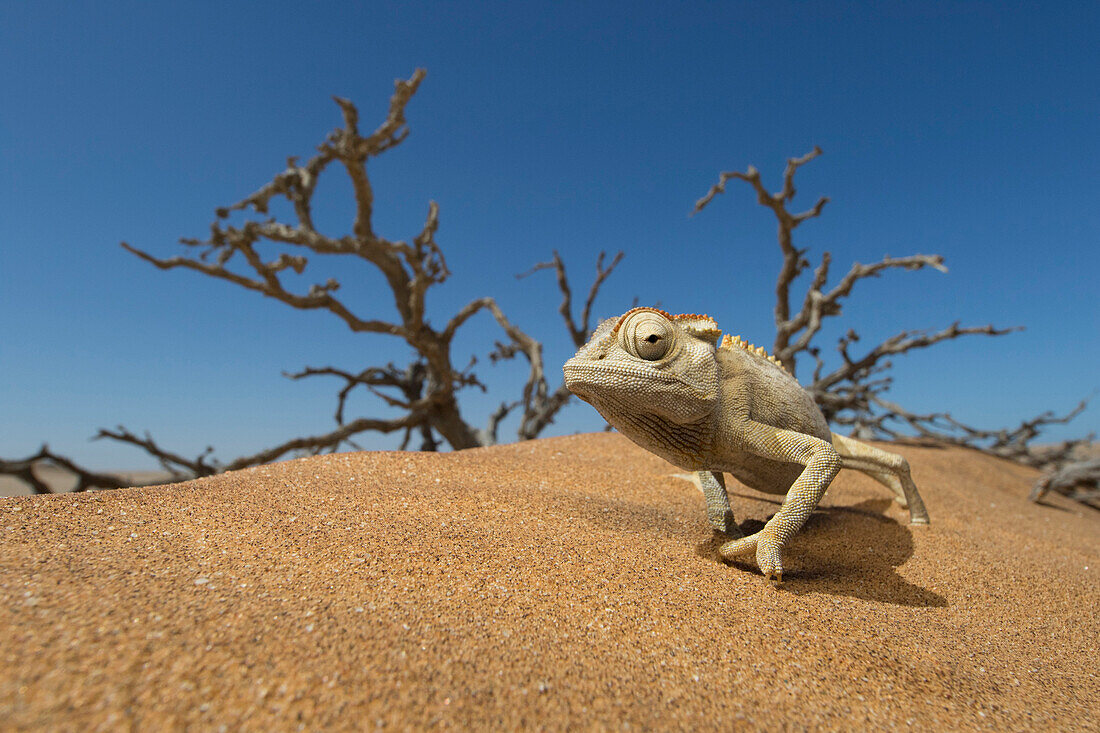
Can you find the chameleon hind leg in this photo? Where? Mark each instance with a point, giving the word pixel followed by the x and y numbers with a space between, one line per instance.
pixel 713 484
pixel 887 479
pixel 889 469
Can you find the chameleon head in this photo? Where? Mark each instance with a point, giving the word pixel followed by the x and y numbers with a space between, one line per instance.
pixel 648 362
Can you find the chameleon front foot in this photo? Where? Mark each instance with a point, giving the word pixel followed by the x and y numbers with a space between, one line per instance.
pixel 713 486
pixel 725 523
pixel 764 546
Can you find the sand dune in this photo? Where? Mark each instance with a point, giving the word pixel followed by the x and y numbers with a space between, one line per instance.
pixel 563 582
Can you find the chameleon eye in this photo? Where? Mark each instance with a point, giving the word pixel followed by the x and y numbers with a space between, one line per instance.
pixel 649 336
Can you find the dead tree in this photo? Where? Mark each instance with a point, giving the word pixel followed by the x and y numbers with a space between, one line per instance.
pixel 1079 480
pixel 425 391
pixel 852 393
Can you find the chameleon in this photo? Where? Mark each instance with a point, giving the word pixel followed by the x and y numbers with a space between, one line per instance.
pixel 715 404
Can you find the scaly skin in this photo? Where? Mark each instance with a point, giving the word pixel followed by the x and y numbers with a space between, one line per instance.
pixel 668 384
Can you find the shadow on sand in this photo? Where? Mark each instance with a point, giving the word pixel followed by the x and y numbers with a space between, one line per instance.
pixel 850 551
pixel 845 551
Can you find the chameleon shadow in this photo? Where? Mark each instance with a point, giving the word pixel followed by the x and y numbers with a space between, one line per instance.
pixel 864 565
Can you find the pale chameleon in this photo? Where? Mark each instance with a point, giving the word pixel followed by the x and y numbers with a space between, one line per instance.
pixel 711 406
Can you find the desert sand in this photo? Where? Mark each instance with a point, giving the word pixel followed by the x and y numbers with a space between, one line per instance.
pixel 565 582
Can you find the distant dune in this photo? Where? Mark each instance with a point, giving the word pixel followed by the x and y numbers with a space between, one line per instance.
pixel 561 582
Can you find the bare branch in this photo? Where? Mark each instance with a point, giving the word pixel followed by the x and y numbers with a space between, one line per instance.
pixel 1079 481
pixel 353 150
pixel 577 331
pixel 793 165
pixel 271 286
pixel 817 304
pixel 326 440
pixel 489 436
pixel 1014 444
pixel 857 369
pixel 296 184
pixel 1064 470
pixel 794 261
pixel 24 470
pixel 535 390
pixel 172 462
pixel 410 382
pixel 539 404
pixel 775 201
pixel 314 444
pixel 602 274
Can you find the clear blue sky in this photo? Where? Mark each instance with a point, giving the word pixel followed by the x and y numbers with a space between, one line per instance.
pixel 970 130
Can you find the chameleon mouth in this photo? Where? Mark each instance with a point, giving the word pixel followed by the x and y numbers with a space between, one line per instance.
pixel 575 380
pixel 588 378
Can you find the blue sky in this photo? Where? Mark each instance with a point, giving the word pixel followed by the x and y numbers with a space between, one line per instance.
pixel 965 129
